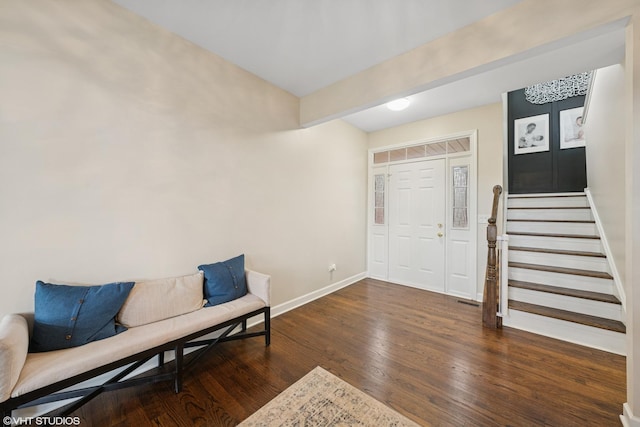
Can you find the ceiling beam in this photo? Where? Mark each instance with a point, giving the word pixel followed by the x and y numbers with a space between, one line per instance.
pixel 529 27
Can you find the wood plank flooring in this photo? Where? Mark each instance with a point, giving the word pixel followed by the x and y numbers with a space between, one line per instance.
pixel 426 355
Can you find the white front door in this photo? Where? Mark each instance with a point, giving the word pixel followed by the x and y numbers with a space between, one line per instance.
pixel 417 224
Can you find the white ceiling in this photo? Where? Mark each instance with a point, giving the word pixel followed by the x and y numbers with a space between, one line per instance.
pixel 305 45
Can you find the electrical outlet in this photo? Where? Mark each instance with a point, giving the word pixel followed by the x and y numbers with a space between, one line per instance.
pixel 483 219
pixel 332 268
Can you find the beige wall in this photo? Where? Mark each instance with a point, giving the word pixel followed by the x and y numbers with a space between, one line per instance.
pixel 488 122
pixel 615 166
pixel 127 152
pixel 605 149
pixel 632 179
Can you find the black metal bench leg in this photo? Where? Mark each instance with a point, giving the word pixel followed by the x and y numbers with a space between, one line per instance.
pixel 244 325
pixel 179 356
pixel 119 381
pixel 267 327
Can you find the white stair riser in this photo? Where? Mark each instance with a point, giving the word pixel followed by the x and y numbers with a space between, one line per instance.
pixel 547 202
pixel 593 284
pixel 602 339
pixel 562 302
pixel 560 260
pixel 563 243
pixel 551 214
pixel 576 228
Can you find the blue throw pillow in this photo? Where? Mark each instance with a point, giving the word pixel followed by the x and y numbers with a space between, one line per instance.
pixel 224 281
pixel 69 316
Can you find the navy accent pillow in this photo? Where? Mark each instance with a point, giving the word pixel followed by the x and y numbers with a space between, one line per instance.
pixel 224 281
pixel 69 316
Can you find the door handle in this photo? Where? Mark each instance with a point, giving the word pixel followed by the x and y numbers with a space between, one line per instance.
pixel 440 234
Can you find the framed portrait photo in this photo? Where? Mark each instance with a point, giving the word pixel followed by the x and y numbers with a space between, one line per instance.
pixel 531 134
pixel 571 129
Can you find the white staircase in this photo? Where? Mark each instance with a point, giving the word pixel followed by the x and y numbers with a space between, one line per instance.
pixel 559 280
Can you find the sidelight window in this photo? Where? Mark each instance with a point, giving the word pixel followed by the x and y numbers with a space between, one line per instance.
pixel 378 209
pixel 460 196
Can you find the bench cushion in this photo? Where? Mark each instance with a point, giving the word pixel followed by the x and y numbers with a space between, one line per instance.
pixel 41 369
pixel 160 299
pixel 14 344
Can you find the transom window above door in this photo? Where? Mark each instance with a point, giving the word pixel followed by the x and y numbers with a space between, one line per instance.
pixel 458 145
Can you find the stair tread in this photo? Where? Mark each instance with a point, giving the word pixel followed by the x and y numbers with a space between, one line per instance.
pixel 571 236
pixel 558 251
pixel 548 207
pixel 563 270
pixel 584 319
pixel 577 293
pixel 550 195
pixel 570 221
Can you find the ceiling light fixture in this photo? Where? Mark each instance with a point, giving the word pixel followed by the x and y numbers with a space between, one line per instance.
pixel 398 104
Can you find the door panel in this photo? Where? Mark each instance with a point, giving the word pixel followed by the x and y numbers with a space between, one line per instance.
pixel 416 215
pixel 380 248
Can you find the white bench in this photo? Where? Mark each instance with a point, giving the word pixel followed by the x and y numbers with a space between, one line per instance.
pixel 28 379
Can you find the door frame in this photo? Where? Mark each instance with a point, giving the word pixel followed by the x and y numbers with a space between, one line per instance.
pixel 474 294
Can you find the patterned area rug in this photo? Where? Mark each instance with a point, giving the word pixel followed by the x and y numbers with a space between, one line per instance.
pixel 322 399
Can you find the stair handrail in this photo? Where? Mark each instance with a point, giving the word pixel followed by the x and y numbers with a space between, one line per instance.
pixel 490 301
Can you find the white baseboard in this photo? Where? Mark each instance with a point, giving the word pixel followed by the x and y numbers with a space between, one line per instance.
pixel 304 299
pixel 627 418
pixel 607 251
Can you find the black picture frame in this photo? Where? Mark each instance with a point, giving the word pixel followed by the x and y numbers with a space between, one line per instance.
pixel 572 129
pixel 531 134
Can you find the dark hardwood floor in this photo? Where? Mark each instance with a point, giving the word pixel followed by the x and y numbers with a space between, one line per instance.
pixel 426 355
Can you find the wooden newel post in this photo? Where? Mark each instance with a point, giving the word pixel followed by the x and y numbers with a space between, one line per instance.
pixel 490 298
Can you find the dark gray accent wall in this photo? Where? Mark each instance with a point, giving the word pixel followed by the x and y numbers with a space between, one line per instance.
pixel 550 171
